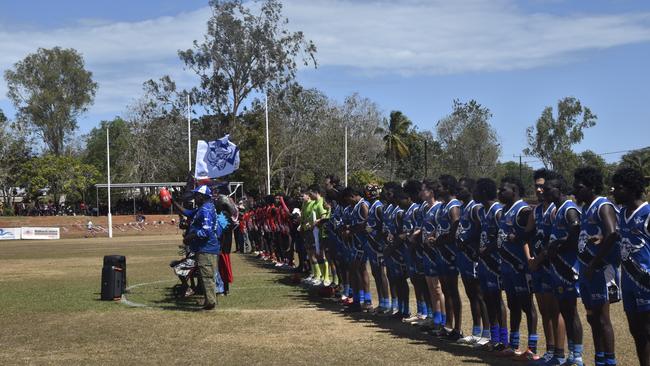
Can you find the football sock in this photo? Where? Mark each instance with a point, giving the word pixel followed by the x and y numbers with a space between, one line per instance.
pixel 476 331
pixel 610 359
pixel 600 359
pixel 514 339
pixel 367 297
pixel 532 342
pixel 494 334
pixel 437 318
pixel 503 335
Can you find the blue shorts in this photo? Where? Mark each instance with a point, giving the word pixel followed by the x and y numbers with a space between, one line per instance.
pixel 466 267
pixel 429 265
pixel 562 288
pixel 375 257
pixel 488 280
pixel 636 299
pixel 541 281
pixel 395 267
pixel 447 265
pixel 516 282
pixel 596 292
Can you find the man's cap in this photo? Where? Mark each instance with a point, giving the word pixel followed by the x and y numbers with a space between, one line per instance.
pixel 204 190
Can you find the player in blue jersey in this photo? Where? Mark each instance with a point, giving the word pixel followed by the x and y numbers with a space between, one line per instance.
pixel 408 203
pixel 360 280
pixel 430 259
pixel 563 257
pixel 634 227
pixel 539 231
pixel 394 253
pixel 346 248
pixel 375 247
pixel 489 268
pixel 599 261
pixel 514 267
pixel 335 247
pixel 467 240
pixel 447 220
pixel 390 208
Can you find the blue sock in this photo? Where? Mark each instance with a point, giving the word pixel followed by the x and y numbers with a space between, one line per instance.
pixel 346 290
pixel 610 359
pixel 600 359
pixel 357 297
pixel 437 318
pixel 494 334
pixel 361 295
pixel 476 331
pixel 486 333
pixel 367 297
pixel 393 304
pixel 532 342
pixel 571 348
pixel 514 340
pixel 423 306
pixel 350 291
pixel 407 310
pixel 429 312
pixel 577 351
pixel 503 335
pixel 443 319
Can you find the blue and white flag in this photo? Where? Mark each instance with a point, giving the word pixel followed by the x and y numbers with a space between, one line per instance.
pixel 216 158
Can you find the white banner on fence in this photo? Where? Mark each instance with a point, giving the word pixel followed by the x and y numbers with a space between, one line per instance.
pixel 40 233
pixel 12 233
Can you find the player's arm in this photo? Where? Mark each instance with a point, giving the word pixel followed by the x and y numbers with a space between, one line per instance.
pixel 361 227
pixel 610 236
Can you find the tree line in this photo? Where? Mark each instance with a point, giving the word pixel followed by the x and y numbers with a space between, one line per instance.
pixel 245 54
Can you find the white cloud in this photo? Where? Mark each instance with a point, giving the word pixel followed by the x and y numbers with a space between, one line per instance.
pixel 405 37
pixel 439 36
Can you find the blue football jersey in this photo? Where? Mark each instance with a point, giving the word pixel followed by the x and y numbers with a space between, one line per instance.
pixel 565 264
pixel 635 247
pixel 591 225
pixel 491 259
pixel 512 251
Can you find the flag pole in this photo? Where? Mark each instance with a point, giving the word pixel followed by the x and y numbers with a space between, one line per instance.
pixel 189 136
pixel 268 155
pixel 346 153
pixel 108 175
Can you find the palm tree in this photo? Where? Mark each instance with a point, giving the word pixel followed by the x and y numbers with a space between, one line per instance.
pixel 395 138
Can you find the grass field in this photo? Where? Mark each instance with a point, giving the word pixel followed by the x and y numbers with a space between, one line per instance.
pixel 51 314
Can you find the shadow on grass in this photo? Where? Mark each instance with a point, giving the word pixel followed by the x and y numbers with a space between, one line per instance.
pixel 172 300
pixel 311 297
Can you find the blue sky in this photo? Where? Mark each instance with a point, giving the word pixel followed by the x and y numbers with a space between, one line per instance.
pixel 515 57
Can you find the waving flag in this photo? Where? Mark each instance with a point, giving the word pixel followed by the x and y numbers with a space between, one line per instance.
pixel 216 158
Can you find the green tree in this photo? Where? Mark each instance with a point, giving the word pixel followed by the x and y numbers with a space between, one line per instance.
pixel 551 138
pixel 242 52
pixel 360 178
pixel 513 169
pixel 15 151
pixel 638 159
pixel 395 136
pixel 60 174
pixel 50 90
pixel 121 140
pixel 416 164
pixel 470 145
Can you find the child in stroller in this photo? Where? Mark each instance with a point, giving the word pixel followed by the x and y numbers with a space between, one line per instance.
pixel 186 268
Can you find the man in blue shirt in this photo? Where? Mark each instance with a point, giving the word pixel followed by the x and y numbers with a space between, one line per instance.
pixel 202 237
